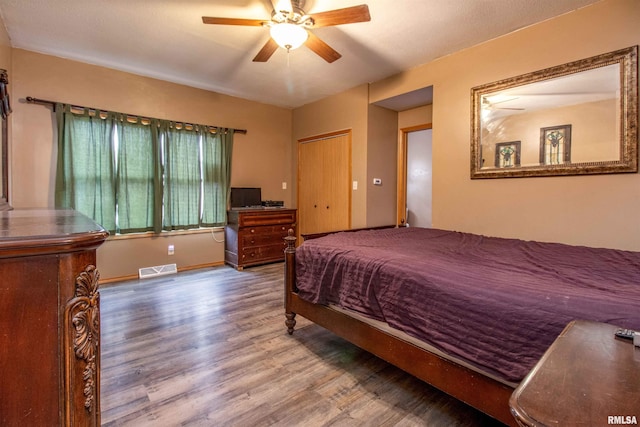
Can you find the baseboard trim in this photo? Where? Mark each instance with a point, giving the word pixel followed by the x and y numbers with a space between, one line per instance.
pixel 135 276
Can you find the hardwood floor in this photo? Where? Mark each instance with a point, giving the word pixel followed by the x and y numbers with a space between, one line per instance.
pixel 209 348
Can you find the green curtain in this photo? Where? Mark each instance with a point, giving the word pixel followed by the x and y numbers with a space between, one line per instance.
pixel 85 170
pixel 137 179
pixel 217 146
pixel 182 178
pixel 166 176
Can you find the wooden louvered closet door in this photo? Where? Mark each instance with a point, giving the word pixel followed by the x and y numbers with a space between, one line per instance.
pixel 324 183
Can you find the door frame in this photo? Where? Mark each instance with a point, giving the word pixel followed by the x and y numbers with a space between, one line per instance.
pixel 329 135
pixel 401 209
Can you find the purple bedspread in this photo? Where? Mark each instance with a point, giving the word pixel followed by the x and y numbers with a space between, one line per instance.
pixel 495 303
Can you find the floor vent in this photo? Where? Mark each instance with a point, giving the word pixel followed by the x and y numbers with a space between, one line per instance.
pixel 159 270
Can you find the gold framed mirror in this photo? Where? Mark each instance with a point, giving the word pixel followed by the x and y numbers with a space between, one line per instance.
pixel 573 119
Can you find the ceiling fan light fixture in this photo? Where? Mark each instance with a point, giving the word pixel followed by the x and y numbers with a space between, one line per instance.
pixel 288 36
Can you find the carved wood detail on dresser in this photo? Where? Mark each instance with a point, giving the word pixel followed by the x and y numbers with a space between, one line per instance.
pixel 255 236
pixel 49 318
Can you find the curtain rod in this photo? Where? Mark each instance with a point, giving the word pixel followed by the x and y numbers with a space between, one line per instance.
pixel 52 104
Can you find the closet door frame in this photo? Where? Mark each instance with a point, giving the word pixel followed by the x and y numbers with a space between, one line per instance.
pixel 302 215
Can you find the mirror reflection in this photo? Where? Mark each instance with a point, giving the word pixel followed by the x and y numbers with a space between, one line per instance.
pixel 572 119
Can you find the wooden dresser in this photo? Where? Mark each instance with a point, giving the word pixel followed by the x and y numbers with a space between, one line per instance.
pixel 49 319
pixel 255 236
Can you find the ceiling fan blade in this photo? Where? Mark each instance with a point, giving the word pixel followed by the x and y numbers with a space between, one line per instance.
pixel 233 21
pixel 347 15
pixel 266 51
pixel 325 51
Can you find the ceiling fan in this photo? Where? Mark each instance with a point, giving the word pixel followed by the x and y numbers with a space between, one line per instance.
pixel 290 24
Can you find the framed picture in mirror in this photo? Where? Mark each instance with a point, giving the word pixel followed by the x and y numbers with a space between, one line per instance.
pixel 555 145
pixel 507 154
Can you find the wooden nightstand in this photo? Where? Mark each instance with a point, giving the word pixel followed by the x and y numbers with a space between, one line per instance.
pixel 588 377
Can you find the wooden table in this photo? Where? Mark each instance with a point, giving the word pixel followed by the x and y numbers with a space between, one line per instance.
pixel 588 377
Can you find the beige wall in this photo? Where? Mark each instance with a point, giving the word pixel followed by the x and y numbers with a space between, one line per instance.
pixel 597 210
pixel 260 158
pixel 414 117
pixel 382 147
pixel 348 110
pixel 5 52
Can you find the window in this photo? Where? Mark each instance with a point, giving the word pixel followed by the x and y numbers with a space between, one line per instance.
pixel 135 175
pixel 136 172
pixel 182 177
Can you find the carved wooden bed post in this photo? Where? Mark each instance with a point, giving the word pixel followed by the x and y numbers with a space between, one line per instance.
pixel 289 279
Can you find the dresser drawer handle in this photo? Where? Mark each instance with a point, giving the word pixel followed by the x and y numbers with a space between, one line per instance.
pixel 253 230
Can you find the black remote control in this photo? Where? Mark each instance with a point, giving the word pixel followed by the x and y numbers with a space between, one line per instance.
pixel 625 333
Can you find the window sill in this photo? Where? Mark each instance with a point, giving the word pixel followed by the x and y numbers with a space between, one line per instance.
pixel 151 234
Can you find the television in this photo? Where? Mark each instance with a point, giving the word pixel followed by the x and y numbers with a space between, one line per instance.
pixel 245 197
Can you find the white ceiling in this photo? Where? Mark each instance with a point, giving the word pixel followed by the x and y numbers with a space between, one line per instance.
pixel 166 39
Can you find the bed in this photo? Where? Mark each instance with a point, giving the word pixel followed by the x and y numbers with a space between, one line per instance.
pixel 469 314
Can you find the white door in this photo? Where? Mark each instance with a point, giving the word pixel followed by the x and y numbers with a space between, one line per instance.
pixel 419 176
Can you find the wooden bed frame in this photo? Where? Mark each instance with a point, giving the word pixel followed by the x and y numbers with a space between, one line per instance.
pixel 481 392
